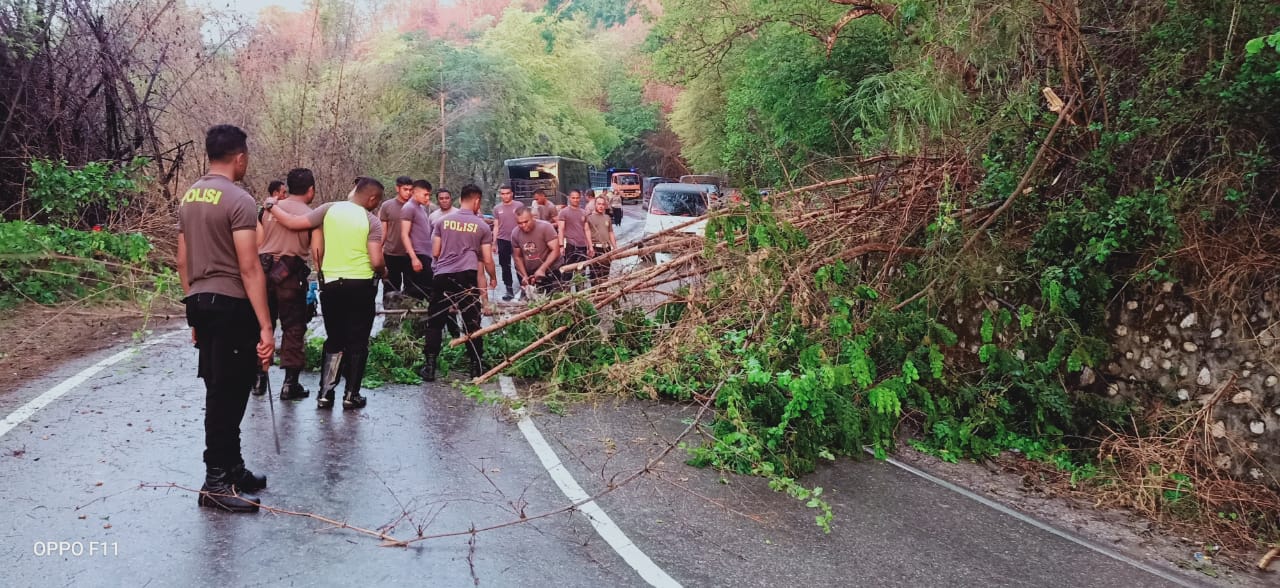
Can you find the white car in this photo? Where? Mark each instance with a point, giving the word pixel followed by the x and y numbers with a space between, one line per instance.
pixel 675 204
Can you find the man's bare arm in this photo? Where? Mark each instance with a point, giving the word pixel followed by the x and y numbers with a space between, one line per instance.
pixel 181 259
pixel 376 259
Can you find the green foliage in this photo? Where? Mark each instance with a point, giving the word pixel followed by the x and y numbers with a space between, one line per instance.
pixel 47 264
pixel 63 193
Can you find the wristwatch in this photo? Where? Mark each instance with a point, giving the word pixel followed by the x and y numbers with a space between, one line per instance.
pixel 267 204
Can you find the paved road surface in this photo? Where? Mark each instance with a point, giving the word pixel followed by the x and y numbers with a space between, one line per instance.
pixel 427 459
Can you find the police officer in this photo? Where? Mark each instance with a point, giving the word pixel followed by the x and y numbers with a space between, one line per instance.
pixel 226 300
pixel 284 255
pixel 573 232
pixel 504 222
pixel 350 261
pixel 537 248
pixel 415 232
pixel 393 252
pixel 601 239
pixel 461 242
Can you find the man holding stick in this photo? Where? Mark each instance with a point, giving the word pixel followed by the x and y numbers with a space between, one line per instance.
pixel 537 248
pixel 226 300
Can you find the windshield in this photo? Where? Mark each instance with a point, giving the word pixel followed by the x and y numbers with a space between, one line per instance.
pixel 627 179
pixel 680 203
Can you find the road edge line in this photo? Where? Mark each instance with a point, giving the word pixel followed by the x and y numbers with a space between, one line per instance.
pixel 604 526
pixel 1120 557
pixel 26 411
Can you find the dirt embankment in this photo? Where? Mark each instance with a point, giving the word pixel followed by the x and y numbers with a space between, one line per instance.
pixel 34 339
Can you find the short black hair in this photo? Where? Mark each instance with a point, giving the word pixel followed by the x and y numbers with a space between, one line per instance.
pixel 540 191
pixel 222 142
pixel 504 186
pixel 470 192
pixel 421 184
pixel 443 191
pixel 404 181
pixel 366 185
pixel 575 190
pixel 300 180
pixel 273 186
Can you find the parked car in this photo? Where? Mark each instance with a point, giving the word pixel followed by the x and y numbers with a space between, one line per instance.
pixel 675 204
pixel 646 188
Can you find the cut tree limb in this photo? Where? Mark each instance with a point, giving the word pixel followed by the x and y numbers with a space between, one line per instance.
pixel 511 360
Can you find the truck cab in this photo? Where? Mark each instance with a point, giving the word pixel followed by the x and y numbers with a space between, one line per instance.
pixel 625 183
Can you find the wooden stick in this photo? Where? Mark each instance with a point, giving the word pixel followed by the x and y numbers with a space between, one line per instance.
pixel 573 267
pixel 1266 560
pixel 511 360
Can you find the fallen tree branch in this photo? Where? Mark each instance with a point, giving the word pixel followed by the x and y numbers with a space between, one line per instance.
pixel 511 360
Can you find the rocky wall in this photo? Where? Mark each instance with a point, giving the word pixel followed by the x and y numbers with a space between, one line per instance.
pixel 1167 348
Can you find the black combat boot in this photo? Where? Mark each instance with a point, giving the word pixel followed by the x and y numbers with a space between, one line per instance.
pixel 219 492
pixel 477 368
pixel 260 387
pixel 354 375
pixel 245 480
pixel 330 370
pixel 291 389
pixel 428 371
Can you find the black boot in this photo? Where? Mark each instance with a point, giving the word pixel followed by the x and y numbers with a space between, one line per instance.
pixel 291 389
pixel 329 372
pixel 428 371
pixel 245 480
pixel 260 387
pixel 219 492
pixel 354 375
pixel 475 351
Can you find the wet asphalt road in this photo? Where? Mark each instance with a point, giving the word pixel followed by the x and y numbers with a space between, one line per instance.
pixel 96 468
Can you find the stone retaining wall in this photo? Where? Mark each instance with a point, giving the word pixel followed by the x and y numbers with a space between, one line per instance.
pixel 1167 348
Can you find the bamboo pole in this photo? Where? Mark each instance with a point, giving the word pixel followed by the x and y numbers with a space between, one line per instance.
pixel 511 360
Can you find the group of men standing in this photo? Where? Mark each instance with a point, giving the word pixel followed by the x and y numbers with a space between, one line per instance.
pixel 542 238
pixel 241 270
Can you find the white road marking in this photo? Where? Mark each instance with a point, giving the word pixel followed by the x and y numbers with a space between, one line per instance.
pixel 1039 525
pixel 25 411
pixel 604 525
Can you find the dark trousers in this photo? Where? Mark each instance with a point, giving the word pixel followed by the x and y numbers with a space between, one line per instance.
pixel 448 291
pixel 399 267
pixel 227 337
pixel 599 271
pixel 348 315
pixel 417 285
pixel 573 254
pixel 617 216
pixel 288 303
pixel 504 261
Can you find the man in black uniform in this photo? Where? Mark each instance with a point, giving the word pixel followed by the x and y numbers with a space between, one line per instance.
pixel 461 241
pixel 226 299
